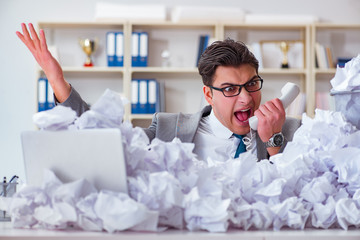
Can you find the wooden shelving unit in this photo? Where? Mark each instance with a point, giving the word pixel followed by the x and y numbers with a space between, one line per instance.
pixel 181 39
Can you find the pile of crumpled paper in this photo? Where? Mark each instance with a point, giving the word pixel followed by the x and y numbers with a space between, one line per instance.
pixel 314 183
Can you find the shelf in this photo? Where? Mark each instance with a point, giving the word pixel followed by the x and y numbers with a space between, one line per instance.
pixel 181 39
pixel 164 70
pixel 325 71
pixel 90 69
pixel 141 116
pixel 108 24
pixel 330 26
pixel 282 71
pixel 266 26
pixel 94 69
pixel 167 24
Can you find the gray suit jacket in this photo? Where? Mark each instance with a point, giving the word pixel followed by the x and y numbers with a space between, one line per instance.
pixel 167 126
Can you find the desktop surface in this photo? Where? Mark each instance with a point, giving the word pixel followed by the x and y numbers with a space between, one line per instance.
pixel 8 232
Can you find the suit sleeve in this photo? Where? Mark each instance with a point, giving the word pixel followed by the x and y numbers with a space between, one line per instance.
pixel 289 128
pixel 151 130
pixel 75 102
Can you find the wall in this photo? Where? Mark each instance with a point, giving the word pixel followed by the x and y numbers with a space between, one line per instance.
pixel 17 66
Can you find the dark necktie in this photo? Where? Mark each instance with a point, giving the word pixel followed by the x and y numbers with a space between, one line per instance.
pixel 241 147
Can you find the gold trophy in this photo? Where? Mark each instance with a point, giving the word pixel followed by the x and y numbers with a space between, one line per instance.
pixel 89 47
pixel 284 46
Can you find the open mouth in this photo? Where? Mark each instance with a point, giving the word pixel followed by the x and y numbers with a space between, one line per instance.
pixel 243 115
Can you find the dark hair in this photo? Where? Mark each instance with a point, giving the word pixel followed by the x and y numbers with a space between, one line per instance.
pixel 224 53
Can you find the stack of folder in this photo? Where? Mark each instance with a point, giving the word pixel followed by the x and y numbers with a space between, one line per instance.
pixel 147 96
pixel 45 95
pixel 115 49
pixel 139 49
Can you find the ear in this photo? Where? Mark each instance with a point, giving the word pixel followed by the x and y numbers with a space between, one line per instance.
pixel 208 94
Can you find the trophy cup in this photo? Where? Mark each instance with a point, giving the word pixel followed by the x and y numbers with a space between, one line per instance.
pixel 88 46
pixel 284 46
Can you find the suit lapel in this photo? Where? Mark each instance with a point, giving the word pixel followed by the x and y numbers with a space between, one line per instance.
pixel 187 124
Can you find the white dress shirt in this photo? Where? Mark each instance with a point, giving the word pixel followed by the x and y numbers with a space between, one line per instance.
pixel 214 140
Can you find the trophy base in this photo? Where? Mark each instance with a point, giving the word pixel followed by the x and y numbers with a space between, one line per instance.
pixel 88 64
pixel 284 65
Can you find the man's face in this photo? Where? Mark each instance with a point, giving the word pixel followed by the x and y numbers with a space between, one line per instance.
pixel 233 112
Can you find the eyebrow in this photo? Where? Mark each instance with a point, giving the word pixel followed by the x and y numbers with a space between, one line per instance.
pixel 231 84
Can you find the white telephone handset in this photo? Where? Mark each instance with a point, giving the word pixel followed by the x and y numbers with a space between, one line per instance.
pixel 289 92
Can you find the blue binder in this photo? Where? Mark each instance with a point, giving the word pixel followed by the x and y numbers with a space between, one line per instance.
pixel 143 96
pixel 135 49
pixel 203 43
pixel 110 48
pixel 50 103
pixel 135 96
pixel 158 105
pixel 143 49
pixel 152 95
pixel 119 49
pixel 42 94
pixel 206 42
pixel 200 49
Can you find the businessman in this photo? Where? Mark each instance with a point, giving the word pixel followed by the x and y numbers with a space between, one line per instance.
pixel 232 87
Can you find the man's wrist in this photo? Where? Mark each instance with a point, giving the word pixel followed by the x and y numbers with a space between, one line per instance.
pixel 276 140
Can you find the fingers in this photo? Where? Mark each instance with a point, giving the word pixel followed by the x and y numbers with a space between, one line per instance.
pixel 34 36
pixel 25 38
pixel 271 117
pixel 25 31
pixel 33 43
pixel 42 40
pixel 20 36
pixel 270 107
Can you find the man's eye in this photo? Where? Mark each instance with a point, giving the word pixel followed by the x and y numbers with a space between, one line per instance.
pixel 251 84
pixel 229 89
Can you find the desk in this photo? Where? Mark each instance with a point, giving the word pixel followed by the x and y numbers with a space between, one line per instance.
pixel 7 232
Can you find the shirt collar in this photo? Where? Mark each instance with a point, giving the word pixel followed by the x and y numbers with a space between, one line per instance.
pixel 218 129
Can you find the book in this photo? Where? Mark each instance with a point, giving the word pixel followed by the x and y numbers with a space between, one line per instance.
pixel 329 58
pixel 45 95
pixel 134 96
pixel 135 49
pixel 200 48
pixel 152 95
pixel 160 97
pixel 42 94
pixel 50 102
pixel 204 41
pixel 320 55
pixel 143 49
pixel 110 49
pixel 342 61
pixel 143 96
pixel 147 96
pixel 119 49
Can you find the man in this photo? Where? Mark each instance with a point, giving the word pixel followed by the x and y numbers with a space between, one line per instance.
pixel 232 87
